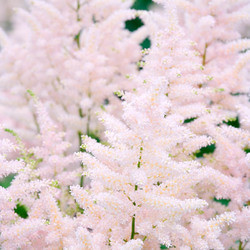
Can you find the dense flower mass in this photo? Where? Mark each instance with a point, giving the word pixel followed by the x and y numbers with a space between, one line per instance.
pixel 109 145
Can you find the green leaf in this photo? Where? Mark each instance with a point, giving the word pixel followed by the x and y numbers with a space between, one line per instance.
pixel 31 93
pixel 142 4
pixel 224 202
pixel 93 135
pixel 234 122
pixel 190 120
pixel 205 150
pixel 6 181
pixel 247 150
pixel 11 132
pixel 133 24
pixel 77 39
pixel 146 43
pixel 55 184
pixel 21 210
pixel 163 247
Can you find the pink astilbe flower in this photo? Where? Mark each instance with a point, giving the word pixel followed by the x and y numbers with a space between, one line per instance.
pixel 8 166
pixel 149 178
pixel 42 175
pixel 89 49
pixel 145 184
pixel 224 55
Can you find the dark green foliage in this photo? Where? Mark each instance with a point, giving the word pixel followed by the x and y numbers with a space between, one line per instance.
pixel 240 93
pixel 247 203
pixel 142 4
pixel 205 150
pixel 247 150
pixel 164 247
pixel 136 23
pixel 190 120
pixel 118 95
pixel 236 94
pixel 106 101
pixel 224 202
pixel 93 135
pixel 21 210
pixel 244 51
pixel 234 122
pixel 133 24
pixel 146 44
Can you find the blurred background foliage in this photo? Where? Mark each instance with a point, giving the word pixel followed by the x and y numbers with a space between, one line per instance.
pixel 136 23
pixel 142 4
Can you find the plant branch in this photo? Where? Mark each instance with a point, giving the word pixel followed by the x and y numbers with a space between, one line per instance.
pixel 133 228
pixel 204 55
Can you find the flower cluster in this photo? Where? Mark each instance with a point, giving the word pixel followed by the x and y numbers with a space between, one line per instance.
pixel 164 132
pixel 67 72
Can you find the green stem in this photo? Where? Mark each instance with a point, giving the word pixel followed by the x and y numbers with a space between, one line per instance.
pixel 80 143
pixel 77 39
pixel 240 246
pixel 81 150
pixel 139 161
pixel 80 139
pixel 133 228
pixel 78 7
pixel 82 181
pixel 204 55
pixel 36 123
pixel 136 188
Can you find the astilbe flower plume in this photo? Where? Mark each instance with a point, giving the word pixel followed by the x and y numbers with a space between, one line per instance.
pixel 42 174
pixel 65 52
pixel 225 58
pixel 148 168
pixel 148 181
